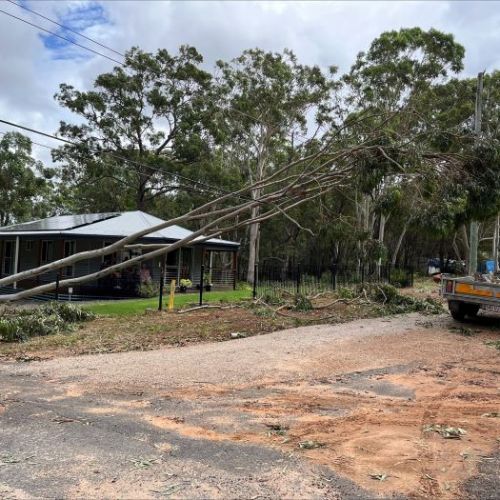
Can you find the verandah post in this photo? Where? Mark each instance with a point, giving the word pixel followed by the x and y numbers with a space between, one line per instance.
pixel 255 278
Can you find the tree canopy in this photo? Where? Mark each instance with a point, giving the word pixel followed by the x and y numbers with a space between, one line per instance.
pixel 164 133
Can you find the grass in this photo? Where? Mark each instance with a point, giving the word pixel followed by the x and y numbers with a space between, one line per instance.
pixel 138 306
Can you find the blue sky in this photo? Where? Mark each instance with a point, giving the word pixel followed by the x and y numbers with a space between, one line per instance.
pixel 78 17
pixel 324 33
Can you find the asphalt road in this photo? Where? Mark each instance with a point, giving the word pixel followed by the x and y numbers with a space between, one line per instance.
pixel 174 422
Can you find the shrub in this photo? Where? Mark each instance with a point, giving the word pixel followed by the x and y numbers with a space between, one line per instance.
pixel 273 299
pixel 49 319
pixel 346 293
pixel 243 285
pixel 8 330
pixel 302 303
pixel 69 313
pixel 383 293
pixel 148 290
pixel 400 278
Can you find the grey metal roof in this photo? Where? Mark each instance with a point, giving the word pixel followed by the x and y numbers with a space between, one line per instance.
pixel 106 225
pixel 59 222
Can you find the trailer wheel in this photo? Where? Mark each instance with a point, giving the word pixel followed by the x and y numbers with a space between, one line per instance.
pixel 457 309
pixel 472 310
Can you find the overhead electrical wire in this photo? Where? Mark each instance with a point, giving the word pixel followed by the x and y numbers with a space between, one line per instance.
pixel 61 37
pixel 206 186
pixel 122 158
pixel 66 27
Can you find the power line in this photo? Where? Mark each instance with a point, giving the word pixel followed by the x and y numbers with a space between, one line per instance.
pixel 121 158
pixel 61 37
pixel 33 142
pixel 66 27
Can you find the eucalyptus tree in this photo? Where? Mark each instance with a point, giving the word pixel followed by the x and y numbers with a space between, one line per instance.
pixel 390 78
pixel 25 185
pixel 271 106
pixel 137 129
pixel 449 108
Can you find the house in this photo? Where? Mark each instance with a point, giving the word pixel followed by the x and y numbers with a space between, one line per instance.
pixel 32 244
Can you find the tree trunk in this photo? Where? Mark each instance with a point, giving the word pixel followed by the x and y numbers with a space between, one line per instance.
pixel 465 241
pixel 398 244
pixel 455 247
pixel 473 246
pixel 495 242
pixel 253 242
pixel 381 233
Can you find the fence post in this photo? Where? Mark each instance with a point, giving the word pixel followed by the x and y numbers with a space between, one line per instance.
pixel 362 273
pixel 162 282
pixel 255 278
pixel 298 279
pixel 334 277
pixel 57 288
pixel 201 284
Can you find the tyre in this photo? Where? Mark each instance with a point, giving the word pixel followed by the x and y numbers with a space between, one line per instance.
pixel 457 309
pixel 472 310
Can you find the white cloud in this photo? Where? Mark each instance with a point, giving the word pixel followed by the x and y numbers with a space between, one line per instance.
pixel 321 33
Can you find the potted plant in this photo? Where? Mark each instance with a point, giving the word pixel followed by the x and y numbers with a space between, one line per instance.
pixel 207 282
pixel 184 284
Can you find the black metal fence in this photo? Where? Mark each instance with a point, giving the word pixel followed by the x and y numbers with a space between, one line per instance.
pixel 272 278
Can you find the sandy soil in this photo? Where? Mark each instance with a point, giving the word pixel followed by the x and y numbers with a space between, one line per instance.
pixel 323 411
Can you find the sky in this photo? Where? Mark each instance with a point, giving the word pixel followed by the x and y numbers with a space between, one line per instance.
pixel 33 63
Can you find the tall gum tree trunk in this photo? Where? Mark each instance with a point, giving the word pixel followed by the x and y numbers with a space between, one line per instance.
pixel 381 233
pixel 398 245
pixel 253 247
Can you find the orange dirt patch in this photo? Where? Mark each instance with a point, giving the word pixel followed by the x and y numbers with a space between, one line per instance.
pixel 174 424
pixel 383 435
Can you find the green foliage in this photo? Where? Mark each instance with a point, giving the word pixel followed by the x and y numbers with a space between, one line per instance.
pixel 186 282
pixel 25 187
pixel 148 290
pixel 400 278
pixel 302 303
pixel 395 303
pixel 275 298
pixel 346 293
pixel 243 285
pixel 398 63
pixel 150 111
pixel 69 313
pixel 383 293
pixel 21 325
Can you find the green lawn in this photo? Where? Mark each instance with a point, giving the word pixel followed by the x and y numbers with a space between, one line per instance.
pixel 137 306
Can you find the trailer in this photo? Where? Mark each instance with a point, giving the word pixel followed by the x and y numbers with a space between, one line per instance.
pixel 466 296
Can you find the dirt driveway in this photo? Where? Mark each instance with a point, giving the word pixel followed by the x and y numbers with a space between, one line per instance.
pixel 343 411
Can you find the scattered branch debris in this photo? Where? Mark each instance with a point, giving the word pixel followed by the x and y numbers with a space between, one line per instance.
pixel 311 445
pixel 379 477
pixel 446 431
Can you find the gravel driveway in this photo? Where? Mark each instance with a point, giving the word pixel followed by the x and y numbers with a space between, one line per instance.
pixel 223 419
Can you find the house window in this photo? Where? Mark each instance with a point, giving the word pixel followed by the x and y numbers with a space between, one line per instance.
pixel 69 249
pixel 47 254
pixel 29 245
pixel 8 257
